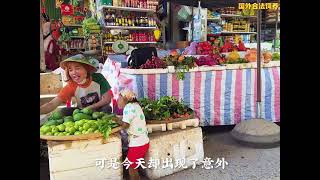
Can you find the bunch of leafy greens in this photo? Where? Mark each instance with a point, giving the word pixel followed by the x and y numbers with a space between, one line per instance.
pixel 182 66
pixel 90 25
pixel 106 124
pixel 163 108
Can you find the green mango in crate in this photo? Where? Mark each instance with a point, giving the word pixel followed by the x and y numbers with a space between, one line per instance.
pixel 76 111
pixel 68 118
pixel 51 122
pixel 80 116
pixel 59 121
pixel 96 115
pixel 87 111
pixel 56 115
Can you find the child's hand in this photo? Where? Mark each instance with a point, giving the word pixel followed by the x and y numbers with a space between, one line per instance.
pixel 118 121
pixel 115 119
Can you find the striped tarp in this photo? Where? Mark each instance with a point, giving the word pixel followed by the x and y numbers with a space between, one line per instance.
pixel 218 97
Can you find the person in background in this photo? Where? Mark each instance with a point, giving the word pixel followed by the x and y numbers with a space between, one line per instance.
pixel 90 89
pixel 51 49
pixel 134 120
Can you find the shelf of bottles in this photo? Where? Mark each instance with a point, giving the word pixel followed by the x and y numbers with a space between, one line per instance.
pixel 136 17
pixel 128 20
pixel 130 5
pixel 133 37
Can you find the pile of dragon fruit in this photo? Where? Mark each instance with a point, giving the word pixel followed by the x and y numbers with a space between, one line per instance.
pixel 155 62
pixel 204 48
pixel 209 60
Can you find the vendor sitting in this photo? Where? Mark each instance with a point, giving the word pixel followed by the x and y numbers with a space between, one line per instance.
pixel 89 88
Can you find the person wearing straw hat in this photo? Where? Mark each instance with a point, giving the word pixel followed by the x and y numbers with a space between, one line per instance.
pixel 134 120
pixel 90 89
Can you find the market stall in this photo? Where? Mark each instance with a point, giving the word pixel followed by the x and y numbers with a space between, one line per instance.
pixel 209 83
pixel 220 95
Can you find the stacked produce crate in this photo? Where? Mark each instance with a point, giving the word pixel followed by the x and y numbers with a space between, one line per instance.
pixel 181 139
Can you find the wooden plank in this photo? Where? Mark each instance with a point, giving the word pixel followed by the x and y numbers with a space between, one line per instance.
pixel 76 160
pixel 90 173
pixel 183 124
pixel 64 145
pixel 191 116
pixel 170 125
pixel 45 96
pixel 156 127
pixel 84 156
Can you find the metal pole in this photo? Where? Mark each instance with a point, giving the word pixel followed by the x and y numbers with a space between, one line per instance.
pixel 258 63
pixel 170 24
pixel 192 24
pixel 275 38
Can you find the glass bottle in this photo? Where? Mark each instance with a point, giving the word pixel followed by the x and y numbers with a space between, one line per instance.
pixel 129 21
pixel 133 21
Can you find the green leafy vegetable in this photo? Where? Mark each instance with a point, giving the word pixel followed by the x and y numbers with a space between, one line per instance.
pixel 163 108
pixel 106 124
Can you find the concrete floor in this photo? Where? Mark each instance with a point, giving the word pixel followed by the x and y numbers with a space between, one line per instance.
pixel 244 163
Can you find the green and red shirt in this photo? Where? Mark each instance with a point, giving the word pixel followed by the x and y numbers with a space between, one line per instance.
pixel 86 94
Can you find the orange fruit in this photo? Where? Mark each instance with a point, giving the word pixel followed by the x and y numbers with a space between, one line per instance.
pixel 174 53
pixel 181 58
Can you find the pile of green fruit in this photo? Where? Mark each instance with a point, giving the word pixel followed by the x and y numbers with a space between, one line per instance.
pixel 276 56
pixel 238 61
pixel 83 121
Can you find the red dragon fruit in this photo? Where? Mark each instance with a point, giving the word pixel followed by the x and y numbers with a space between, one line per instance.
pixel 241 46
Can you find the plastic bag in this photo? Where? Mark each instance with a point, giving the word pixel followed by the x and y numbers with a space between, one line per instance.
pixel 197 27
pixel 184 13
pixel 191 50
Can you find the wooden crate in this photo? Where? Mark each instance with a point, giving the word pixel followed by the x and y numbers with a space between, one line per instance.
pixel 156 127
pixel 183 124
pixel 50 83
pixel 76 160
pixel 178 144
pixel 167 125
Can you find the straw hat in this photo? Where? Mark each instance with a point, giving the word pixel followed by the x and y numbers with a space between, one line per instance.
pixel 79 58
pixel 128 94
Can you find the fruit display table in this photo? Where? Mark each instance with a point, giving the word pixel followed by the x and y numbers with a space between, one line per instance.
pixel 77 148
pixel 221 95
